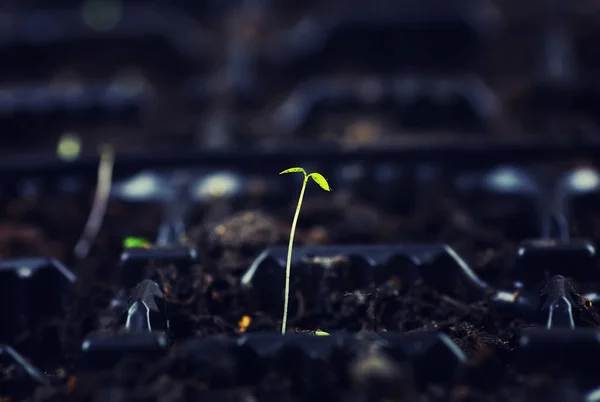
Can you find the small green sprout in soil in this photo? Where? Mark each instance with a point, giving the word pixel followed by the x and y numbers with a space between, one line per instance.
pixel 135 242
pixel 320 180
pixel 318 332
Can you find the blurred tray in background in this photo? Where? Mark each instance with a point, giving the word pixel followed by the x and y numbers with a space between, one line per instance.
pixel 277 73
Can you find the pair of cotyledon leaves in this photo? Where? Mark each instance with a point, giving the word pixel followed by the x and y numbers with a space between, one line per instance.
pixel 317 177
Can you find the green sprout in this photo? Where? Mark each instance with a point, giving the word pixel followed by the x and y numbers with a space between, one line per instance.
pixel 318 332
pixel 131 242
pixel 320 180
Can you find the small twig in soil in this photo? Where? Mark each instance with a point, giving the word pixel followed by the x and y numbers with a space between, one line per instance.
pixel 371 311
pixel 457 305
pixel 92 227
pixel 360 295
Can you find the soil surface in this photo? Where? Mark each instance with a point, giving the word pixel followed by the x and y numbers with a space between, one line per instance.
pixel 405 323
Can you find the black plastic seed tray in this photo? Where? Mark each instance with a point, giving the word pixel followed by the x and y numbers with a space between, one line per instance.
pixel 575 258
pixel 332 28
pixel 466 104
pixel 137 22
pixel 104 350
pixel 43 100
pixel 252 356
pixel 250 57
pixel 366 321
pixel 25 110
pixel 437 265
pixel 32 289
pixel 134 261
pixel 436 269
pixel 570 350
pixel 19 376
pixel 465 154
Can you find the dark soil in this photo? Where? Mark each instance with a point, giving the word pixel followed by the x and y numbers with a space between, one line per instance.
pixel 383 310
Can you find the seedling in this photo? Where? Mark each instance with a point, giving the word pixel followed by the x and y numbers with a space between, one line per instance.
pixel 320 180
pixel 318 332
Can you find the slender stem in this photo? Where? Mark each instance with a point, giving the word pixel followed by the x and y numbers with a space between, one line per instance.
pixel 288 265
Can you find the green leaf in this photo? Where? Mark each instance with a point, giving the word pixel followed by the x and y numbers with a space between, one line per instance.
pixel 294 170
pixel 318 332
pixel 131 242
pixel 320 180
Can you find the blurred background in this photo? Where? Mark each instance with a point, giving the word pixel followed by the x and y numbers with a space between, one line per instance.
pixel 213 74
pixel 216 85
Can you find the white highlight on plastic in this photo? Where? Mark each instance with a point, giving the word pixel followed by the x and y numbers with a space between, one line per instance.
pixel 584 179
pixel 141 186
pixel 24 272
pixel 593 396
pixel 217 185
pixel 506 179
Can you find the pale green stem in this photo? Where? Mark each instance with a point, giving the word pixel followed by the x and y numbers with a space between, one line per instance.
pixel 288 265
